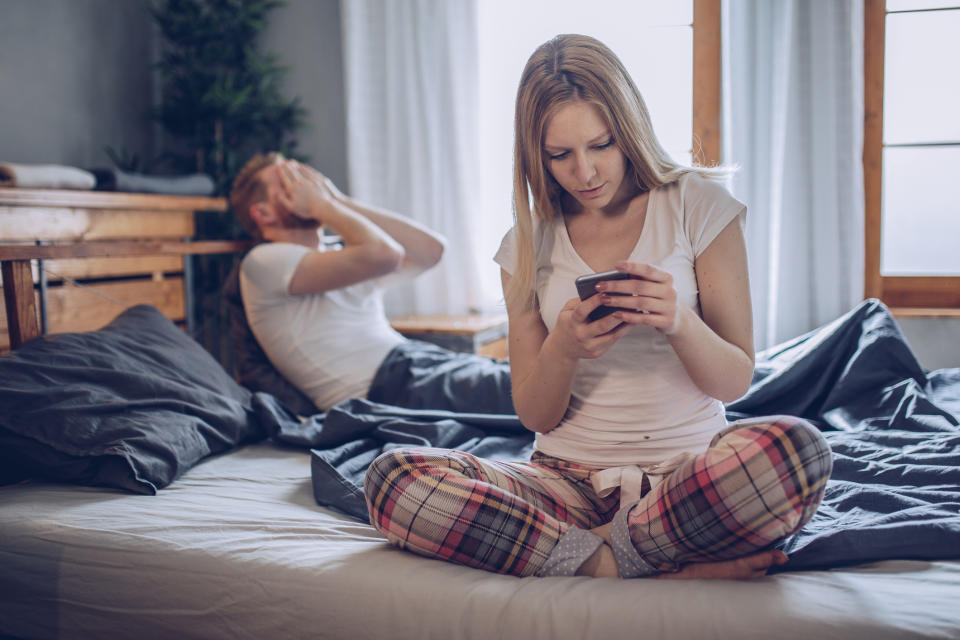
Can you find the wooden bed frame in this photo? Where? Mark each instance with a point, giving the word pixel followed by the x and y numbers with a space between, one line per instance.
pixel 122 238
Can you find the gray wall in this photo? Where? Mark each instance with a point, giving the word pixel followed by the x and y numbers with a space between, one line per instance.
pixel 305 35
pixel 935 341
pixel 75 76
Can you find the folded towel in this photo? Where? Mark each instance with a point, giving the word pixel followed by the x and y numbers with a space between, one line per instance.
pixel 196 184
pixel 44 176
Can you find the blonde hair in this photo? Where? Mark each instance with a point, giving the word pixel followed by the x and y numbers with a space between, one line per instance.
pixel 249 188
pixel 565 69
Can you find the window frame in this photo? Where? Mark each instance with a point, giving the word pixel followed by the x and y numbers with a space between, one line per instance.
pixel 707 125
pixel 938 294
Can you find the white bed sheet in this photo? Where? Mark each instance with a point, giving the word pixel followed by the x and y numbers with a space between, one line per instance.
pixel 237 548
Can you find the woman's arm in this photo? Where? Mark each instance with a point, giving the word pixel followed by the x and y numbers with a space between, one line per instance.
pixel 543 364
pixel 716 351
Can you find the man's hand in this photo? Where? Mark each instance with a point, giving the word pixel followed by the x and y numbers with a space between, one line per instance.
pixel 326 183
pixel 303 194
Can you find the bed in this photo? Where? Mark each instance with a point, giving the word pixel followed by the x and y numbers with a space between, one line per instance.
pixel 237 548
pixel 145 493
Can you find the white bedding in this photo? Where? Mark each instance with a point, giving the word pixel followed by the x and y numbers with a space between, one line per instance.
pixel 237 548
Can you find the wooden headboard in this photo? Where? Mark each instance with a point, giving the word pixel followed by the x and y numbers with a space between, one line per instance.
pixel 72 260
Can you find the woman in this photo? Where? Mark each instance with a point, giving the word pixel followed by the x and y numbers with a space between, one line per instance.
pixel 635 471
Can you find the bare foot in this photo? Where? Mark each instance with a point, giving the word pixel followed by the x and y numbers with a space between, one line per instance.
pixel 753 566
pixel 602 564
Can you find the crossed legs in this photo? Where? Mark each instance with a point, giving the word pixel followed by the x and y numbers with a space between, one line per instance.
pixel 724 509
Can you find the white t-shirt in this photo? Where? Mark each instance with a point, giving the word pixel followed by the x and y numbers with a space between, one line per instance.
pixel 635 404
pixel 329 344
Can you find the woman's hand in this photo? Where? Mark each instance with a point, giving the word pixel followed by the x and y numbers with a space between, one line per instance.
pixel 648 297
pixel 578 337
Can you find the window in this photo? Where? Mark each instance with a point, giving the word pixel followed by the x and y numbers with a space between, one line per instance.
pixel 672 50
pixel 911 152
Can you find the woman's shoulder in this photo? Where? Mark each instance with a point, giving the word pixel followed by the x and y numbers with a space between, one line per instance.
pixel 691 190
pixel 542 241
pixel 693 183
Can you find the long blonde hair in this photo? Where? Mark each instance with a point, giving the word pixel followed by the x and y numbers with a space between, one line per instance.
pixel 565 69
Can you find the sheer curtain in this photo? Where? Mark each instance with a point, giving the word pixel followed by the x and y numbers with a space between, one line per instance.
pixel 793 110
pixel 410 75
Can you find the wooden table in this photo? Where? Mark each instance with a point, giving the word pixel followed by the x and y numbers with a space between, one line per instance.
pixel 485 334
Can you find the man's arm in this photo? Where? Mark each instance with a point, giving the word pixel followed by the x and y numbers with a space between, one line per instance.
pixel 368 252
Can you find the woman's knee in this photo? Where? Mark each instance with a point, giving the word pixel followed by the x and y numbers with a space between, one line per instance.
pixel 812 450
pixel 786 460
pixel 793 445
pixel 394 471
pixel 384 475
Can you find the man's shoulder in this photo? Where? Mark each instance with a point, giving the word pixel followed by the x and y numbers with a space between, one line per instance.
pixel 267 254
pixel 266 250
pixel 271 264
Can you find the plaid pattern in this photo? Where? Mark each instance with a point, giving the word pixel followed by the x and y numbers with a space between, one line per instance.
pixel 757 484
pixel 754 486
pixel 504 517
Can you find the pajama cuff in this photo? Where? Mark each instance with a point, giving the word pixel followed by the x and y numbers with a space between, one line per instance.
pixel 574 548
pixel 629 562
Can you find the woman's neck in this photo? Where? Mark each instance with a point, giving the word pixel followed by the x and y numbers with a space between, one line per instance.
pixel 602 237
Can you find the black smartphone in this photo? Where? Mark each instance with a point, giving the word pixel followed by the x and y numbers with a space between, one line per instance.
pixel 587 286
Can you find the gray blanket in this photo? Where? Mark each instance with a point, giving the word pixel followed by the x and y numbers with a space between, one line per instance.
pixel 893 428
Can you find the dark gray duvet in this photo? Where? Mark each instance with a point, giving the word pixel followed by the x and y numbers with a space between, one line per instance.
pixel 893 428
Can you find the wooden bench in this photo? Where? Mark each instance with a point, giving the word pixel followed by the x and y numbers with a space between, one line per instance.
pixel 128 248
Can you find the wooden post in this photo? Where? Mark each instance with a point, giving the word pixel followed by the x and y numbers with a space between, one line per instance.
pixel 874 20
pixel 21 304
pixel 707 141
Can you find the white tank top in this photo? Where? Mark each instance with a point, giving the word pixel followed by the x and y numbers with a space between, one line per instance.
pixel 635 405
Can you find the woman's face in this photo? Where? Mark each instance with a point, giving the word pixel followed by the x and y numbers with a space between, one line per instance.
pixel 582 156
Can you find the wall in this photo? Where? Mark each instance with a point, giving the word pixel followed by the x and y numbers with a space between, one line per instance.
pixel 74 76
pixel 305 35
pixel 935 341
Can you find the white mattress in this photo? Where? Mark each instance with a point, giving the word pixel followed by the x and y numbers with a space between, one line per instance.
pixel 238 548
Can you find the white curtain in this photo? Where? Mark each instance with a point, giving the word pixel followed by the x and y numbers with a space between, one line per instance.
pixel 410 75
pixel 793 122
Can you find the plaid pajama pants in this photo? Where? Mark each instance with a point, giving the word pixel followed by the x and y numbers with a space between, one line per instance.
pixel 756 484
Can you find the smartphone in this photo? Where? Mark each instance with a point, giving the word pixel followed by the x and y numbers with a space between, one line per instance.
pixel 587 286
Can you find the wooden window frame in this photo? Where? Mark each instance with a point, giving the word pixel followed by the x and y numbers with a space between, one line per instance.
pixel 939 294
pixel 707 125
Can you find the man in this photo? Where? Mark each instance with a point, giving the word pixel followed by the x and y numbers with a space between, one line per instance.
pixel 318 313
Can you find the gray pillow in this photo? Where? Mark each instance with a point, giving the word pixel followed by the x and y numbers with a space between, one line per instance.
pixel 132 405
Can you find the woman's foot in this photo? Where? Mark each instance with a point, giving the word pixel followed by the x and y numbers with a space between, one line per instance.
pixel 753 566
pixel 603 564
